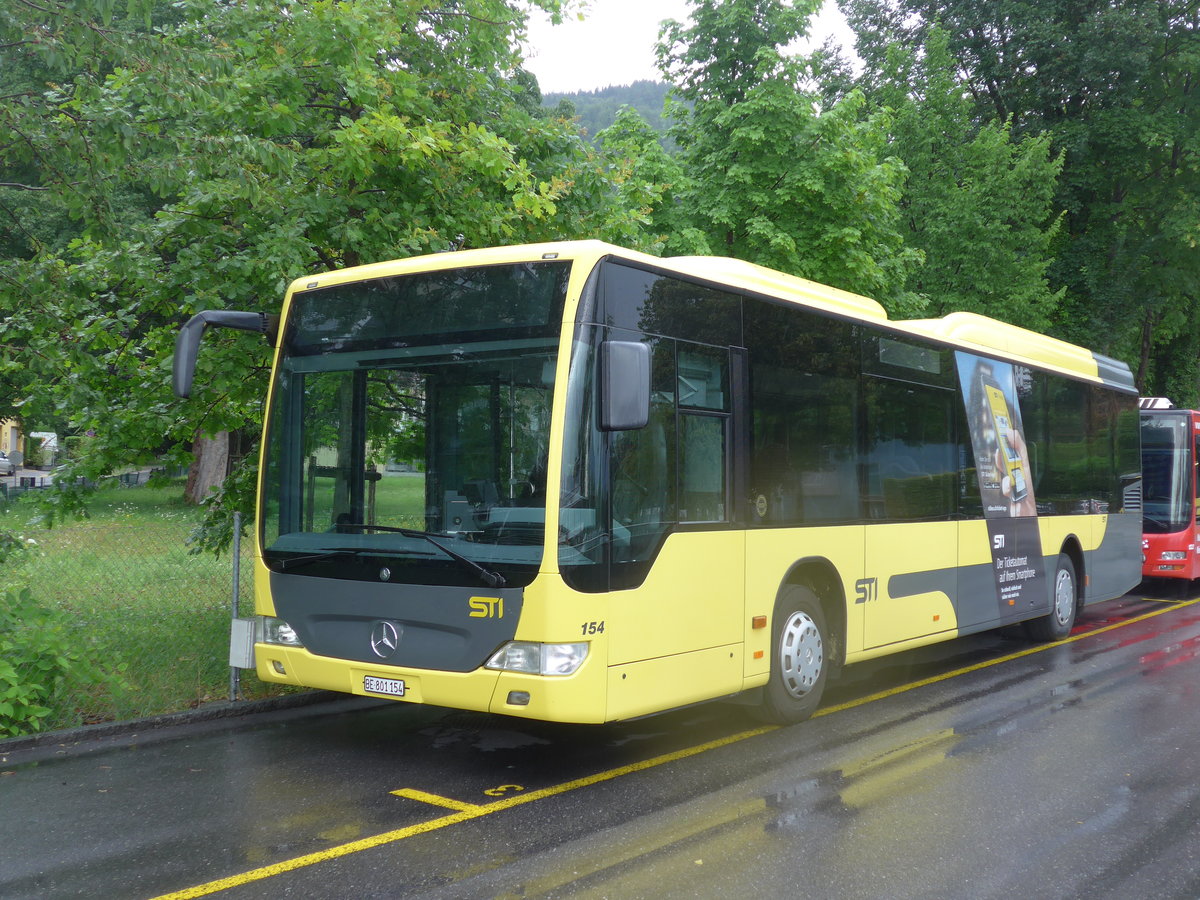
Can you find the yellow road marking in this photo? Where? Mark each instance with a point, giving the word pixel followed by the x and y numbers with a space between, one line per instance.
pixel 1029 651
pixel 473 812
pixel 468 811
pixel 503 790
pixel 436 800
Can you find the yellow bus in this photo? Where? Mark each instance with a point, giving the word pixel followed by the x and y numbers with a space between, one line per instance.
pixel 573 482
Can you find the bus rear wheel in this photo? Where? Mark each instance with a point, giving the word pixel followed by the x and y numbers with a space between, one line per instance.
pixel 1064 601
pixel 799 657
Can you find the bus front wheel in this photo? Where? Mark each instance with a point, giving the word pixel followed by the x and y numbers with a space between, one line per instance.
pixel 800 658
pixel 1063 599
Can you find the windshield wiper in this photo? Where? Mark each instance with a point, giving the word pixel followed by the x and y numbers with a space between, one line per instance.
pixel 490 578
pixel 314 557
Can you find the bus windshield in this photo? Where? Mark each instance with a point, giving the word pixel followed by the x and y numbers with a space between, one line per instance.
pixel 408 427
pixel 1166 473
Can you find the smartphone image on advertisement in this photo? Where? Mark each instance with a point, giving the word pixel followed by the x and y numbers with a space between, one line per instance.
pixel 1008 452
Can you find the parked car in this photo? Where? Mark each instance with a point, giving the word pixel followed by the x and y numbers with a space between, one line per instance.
pixel 6 464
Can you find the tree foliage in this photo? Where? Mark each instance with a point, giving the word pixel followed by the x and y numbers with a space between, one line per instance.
pixel 1112 84
pixel 978 201
pixel 1036 162
pixel 598 109
pixel 772 176
pixel 209 156
pixel 649 180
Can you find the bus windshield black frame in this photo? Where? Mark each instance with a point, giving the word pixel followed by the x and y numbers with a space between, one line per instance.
pixel 414 406
pixel 1166 472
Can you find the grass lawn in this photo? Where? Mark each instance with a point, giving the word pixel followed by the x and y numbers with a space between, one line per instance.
pixel 135 598
pixel 399 501
pixel 141 604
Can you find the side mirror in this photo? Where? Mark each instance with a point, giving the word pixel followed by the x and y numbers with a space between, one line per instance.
pixel 624 385
pixel 187 342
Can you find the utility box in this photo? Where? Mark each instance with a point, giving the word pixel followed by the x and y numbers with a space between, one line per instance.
pixel 241 643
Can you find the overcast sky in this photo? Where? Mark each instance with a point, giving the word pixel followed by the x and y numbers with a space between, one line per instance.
pixel 614 44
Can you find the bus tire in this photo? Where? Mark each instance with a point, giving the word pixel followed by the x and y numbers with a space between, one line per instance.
pixel 1065 599
pixel 800 657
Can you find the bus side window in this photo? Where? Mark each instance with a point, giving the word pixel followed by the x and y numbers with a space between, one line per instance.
pixel 1196 465
pixel 643 468
pixel 643 483
pixel 804 377
pixel 702 479
pixel 703 392
pixel 912 461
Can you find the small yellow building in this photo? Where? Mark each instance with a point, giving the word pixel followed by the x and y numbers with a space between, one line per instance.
pixel 12 439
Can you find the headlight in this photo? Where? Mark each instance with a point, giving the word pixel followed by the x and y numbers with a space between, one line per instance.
pixel 277 631
pixel 1174 554
pixel 539 659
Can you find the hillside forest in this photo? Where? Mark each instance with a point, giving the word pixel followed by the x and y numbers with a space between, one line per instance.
pixel 596 110
pixel 1033 162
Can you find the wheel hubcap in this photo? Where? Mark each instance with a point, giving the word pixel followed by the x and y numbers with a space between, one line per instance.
pixel 1064 596
pixel 801 654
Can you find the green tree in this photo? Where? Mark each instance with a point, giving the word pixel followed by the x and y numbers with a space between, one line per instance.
pixel 269 141
pixel 977 202
pixel 1113 85
pixel 772 175
pixel 649 179
pixel 598 109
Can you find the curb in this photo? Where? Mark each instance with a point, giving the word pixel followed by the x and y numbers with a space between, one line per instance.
pixel 209 713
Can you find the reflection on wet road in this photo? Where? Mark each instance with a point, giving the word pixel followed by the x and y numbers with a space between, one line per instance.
pixel 978 768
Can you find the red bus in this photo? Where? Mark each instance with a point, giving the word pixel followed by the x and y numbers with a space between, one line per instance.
pixel 1169 490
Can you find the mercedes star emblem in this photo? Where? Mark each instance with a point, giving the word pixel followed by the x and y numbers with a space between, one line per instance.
pixel 385 638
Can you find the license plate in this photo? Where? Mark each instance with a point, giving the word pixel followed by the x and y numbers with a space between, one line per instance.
pixel 392 687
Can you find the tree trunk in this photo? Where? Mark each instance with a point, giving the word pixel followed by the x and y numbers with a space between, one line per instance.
pixel 1143 367
pixel 209 466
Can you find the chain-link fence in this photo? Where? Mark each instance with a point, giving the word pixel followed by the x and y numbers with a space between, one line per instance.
pixel 130 598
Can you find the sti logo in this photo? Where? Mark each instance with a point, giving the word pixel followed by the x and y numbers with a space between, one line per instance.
pixel 486 607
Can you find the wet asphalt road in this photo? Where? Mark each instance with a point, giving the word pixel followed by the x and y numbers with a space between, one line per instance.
pixel 985 767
